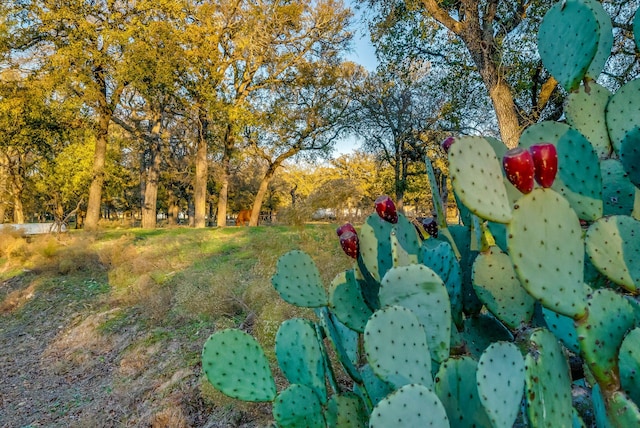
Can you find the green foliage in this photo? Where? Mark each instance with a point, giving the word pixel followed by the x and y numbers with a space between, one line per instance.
pixel 502 364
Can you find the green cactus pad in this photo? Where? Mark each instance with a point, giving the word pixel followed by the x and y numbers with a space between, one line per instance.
pixel 476 176
pixel 585 112
pixel 622 112
pixel 375 243
pixel 548 385
pixel 298 406
pixel 500 378
pixel 300 355
pixel 347 303
pixel 630 155
pixel 618 193
pixel 605 42
pixel 438 204
pixel 601 333
pixel 462 237
pixel 563 328
pixel 439 257
pixel 410 406
pixel 547 250
pixel 579 178
pixel 497 285
pixel 236 365
pixel 376 388
pixel 396 347
pixel 481 331
pixel 577 421
pixel 499 232
pixel 457 389
pixel 613 244
pixel 629 363
pixel 345 411
pixel 298 282
pixel 344 341
pixel 599 408
pixel 622 411
pixel 568 42
pixel 419 289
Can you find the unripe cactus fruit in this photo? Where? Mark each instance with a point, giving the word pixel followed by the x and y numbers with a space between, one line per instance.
pixel 519 167
pixel 386 209
pixel 347 227
pixel 446 143
pixel 545 161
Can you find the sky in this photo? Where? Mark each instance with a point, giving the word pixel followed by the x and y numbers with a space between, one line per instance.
pixel 362 53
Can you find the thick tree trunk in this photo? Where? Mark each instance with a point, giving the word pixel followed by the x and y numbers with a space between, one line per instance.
pixel 262 191
pixel 18 211
pixel 149 206
pixel 4 193
pixel 173 210
pixel 200 181
pixel 95 190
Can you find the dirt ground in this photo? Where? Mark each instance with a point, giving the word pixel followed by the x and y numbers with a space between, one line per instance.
pixel 60 368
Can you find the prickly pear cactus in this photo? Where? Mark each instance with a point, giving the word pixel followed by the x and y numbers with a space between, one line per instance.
pixel 477 326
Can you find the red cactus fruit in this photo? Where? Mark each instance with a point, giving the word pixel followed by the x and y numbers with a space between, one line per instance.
pixel 347 227
pixel 386 209
pixel 545 161
pixel 518 165
pixel 350 244
pixel 446 143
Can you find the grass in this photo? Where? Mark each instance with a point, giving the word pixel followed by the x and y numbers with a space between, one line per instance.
pixel 145 302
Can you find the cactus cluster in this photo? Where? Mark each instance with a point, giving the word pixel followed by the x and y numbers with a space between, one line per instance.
pixel 494 321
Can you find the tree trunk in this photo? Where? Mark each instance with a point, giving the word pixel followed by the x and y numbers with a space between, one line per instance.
pixel 173 210
pixel 18 211
pixel 226 173
pixel 3 191
pixel 95 190
pixel 149 206
pixel 262 191
pixel 200 181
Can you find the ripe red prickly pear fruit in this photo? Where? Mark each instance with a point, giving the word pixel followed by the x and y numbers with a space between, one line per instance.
pixel 545 161
pixel 446 143
pixel 518 165
pixel 431 226
pixel 350 244
pixel 386 209
pixel 347 227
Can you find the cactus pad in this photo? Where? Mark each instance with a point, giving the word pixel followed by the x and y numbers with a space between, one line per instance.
pixel 636 29
pixel 613 244
pixel 629 361
pixel 347 303
pixel 622 112
pixel 236 365
pixel 438 256
pixel 410 406
pixel 297 406
pixel 497 285
pixel 601 333
pixel 476 176
pixel 344 341
pixel 568 42
pixel 630 155
pixel 618 193
pixel 481 331
pixel 396 346
pixel 345 411
pixel 297 280
pixel 563 328
pixel 500 378
pixel 548 385
pixel 605 42
pixel 300 355
pixel 376 388
pixel 622 411
pixel 456 387
pixel 585 112
pixel 419 289
pixel 547 250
